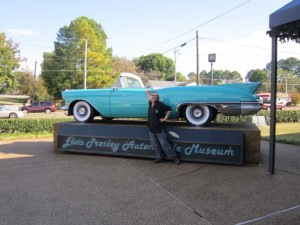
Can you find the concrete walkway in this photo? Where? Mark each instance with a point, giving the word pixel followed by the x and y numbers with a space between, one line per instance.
pixel 39 186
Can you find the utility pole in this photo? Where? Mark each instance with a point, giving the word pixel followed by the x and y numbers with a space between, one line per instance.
pixel 197 57
pixel 85 62
pixel 34 80
pixel 175 60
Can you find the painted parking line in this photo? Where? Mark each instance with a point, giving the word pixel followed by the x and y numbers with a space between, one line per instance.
pixel 270 215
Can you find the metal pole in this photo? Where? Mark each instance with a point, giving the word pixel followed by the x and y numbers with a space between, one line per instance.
pixel 197 57
pixel 212 74
pixel 175 77
pixel 175 60
pixel 34 80
pixel 286 91
pixel 273 106
pixel 85 62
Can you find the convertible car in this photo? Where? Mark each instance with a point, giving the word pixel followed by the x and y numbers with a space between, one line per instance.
pixel 199 105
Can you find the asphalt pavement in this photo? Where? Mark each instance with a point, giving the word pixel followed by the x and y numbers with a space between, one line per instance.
pixel 41 187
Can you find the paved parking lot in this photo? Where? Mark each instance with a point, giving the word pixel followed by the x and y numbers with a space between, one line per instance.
pixel 39 186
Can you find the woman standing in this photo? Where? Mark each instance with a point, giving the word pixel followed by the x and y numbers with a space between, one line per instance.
pixel 158 113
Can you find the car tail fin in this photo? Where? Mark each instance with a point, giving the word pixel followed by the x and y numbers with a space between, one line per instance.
pixel 250 86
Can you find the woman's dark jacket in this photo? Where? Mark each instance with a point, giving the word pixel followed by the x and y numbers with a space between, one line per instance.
pixel 155 114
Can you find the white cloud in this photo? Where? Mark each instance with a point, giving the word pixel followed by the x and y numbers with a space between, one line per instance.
pixel 22 32
pixel 242 54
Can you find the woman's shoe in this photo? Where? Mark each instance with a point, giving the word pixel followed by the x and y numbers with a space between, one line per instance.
pixel 159 160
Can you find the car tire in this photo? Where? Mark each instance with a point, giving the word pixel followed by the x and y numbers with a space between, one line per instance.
pixel 83 112
pixel 198 115
pixel 48 111
pixel 13 115
pixel 25 111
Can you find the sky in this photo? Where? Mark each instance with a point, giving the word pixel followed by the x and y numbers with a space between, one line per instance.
pixel 235 30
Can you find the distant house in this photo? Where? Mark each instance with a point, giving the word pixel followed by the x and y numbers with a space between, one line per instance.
pixel 155 84
pixel 281 97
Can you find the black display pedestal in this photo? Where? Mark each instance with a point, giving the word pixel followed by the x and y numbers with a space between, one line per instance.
pixel 225 143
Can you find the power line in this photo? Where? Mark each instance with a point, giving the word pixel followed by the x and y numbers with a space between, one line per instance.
pixel 217 17
pixel 178 46
pixel 244 45
pixel 38 46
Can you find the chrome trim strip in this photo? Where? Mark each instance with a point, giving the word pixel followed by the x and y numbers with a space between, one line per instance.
pixel 228 108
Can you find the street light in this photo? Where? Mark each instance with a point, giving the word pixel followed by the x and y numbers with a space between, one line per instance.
pixel 175 60
pixel 85 62
pixel 286 91
pixel 211 59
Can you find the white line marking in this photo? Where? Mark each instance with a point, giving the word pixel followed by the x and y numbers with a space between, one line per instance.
pixel 269 215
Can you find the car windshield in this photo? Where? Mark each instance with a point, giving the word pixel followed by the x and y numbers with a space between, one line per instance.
pixel 4 107
pixel 132 83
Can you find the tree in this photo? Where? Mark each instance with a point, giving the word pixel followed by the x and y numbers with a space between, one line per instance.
pixel 40 92
pixel 230 77
pixel 25 83
pixel 64 67
pixel 155 63
pixel 288 70
pixel 192 76
pixel 122 65
pixel 291 65
pixel 9 61
pixel 179 78
pixel 220 77
pixel 204 77
pixel 257 75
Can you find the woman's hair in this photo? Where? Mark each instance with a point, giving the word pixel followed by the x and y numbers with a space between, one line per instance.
pixel 154 92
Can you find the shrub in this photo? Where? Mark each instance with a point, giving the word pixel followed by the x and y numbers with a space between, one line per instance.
pixel 282 116
pixel 41 125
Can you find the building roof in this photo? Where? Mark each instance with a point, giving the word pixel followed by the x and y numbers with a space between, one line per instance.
pixel 285 22
pixel 286 14
pixel 163 83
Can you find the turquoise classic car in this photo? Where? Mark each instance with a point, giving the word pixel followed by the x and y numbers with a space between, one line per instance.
pixel 127 98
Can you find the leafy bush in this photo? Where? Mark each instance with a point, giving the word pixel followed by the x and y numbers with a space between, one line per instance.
pixel 40 125
pixel 44 125
pixel 282 116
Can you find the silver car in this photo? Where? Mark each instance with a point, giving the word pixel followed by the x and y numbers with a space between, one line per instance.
pixel 6 112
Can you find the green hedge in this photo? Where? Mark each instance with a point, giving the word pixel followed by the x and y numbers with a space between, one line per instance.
pixel 41 125
pixel 282 116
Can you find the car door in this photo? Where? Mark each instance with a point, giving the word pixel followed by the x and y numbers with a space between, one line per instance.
pixel 128 103
pixel 36 107
pixel 3 111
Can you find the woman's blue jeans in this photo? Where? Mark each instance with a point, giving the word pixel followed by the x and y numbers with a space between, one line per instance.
pixel 161 145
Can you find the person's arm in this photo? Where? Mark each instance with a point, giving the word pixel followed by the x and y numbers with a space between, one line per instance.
pixel 148 94
pixel 167 114
pixel 168 111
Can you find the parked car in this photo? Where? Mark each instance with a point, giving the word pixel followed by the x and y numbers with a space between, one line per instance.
pixel 46 107
pixel 199 105
pixel 267 106
pixel 6 112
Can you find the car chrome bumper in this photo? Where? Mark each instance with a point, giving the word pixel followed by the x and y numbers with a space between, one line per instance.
pixel 65 109
pixel 236 109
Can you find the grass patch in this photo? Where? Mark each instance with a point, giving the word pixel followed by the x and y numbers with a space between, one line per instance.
pixel 288 133
pixel 22 136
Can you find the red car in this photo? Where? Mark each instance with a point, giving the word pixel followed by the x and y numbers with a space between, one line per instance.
pixel 267 106
pixel 46 107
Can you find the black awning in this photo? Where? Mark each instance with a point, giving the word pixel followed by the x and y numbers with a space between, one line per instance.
pixel 286 14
